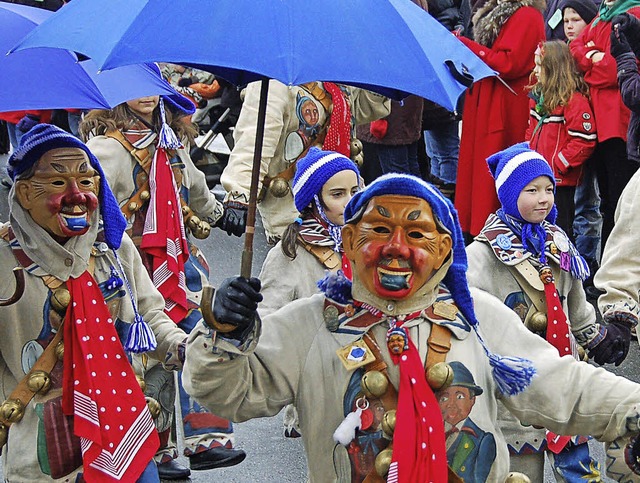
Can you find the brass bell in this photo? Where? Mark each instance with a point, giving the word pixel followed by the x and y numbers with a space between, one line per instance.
pixel 279 187
pixel 154 407
pixel 12 410
pixel 389 422
pixel 60 299
pixel 202 231
pixel 439 376
pixel 374 384
pixel 59 350
pixel 359 160
pixel 355 147
pixel 4 434
pixel 582 354
pixel 537 322
pixel 186 211
pixel 145 195
pixel 133 206
pixel 193 222
pixel 39 381
pixel 141 381
pixel 383 462
pixel 515 477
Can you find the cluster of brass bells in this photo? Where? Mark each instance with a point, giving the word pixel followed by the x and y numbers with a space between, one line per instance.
pixel 39 381
pixel 537 322
pixel 60 299
pixel 374 384
pixel 134 206
pixel 355 151
pixel 198 228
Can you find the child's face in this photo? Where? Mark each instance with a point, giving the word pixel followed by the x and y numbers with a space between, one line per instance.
pixel 144 107
pixel 536 200
pixel 537 68
pixel 337 192
pixel 573 23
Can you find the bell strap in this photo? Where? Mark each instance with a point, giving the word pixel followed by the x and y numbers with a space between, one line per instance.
pixel 439 343
pixel 142 155
pixel 325 255
pixel 528 279
pixel 390 397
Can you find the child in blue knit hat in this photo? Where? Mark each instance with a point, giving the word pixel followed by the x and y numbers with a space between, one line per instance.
pixel 530 264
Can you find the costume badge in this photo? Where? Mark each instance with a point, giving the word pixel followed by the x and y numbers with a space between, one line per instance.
pixel 331 318
pixel 586 126
pixel 503 241
pixel 561 241
pixel 355 355
pixel 586 115
pixel 445 310
pixel 565 261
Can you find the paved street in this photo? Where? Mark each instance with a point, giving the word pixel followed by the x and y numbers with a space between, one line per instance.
pixel 271 457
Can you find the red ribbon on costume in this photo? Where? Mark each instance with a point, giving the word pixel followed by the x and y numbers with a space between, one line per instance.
pixel 164 238
pixel 419 451
pixel 338 136
pixel 100 390
pixel 558 337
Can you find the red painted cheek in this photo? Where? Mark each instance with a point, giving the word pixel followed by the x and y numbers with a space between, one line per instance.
pixel 371 254
pixel 91 201
pixel 54 203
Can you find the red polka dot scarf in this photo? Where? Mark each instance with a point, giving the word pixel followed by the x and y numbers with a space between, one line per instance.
pixel 100 390
pixel 338 136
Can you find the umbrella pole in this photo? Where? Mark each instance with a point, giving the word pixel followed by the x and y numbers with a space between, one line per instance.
pixel 250 229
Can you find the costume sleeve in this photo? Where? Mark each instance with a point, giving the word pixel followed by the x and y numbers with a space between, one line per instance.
pixel 367 106
pixel 561 396
pixel 581 135
pixel 600 74
pixel 629 81
pixel 619 273
pixel 279 281
pixel 236 177
pixel 253 380
pixel 513 57
pixel 581 313
pixel 202 201
pixel 150 305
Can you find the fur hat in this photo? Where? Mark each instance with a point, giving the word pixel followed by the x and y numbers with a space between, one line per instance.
pixel 45 137
pixel 587 9
pixel 314 170
pixel 511 374
pixel 513 169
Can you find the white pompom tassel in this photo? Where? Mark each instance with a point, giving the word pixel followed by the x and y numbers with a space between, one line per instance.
pixel 346 432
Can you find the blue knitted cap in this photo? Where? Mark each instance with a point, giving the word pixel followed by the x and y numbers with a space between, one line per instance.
pixel 45 137
pixel 314 170
pixel 513 169
pixel 512 374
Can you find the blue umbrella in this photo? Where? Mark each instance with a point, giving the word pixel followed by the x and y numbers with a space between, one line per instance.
pixel 46 78
pixel 389 46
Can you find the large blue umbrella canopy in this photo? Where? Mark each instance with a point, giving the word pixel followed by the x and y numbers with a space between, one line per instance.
pixel 46 78
pixel 389 46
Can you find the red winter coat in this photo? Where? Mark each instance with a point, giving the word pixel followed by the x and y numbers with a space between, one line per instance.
pixel 494 118
pixel 566 138
pixel 611 114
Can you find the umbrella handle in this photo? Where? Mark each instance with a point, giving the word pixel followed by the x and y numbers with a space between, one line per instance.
pixel 250 228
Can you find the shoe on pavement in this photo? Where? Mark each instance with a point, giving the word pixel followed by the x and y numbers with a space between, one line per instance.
pixel 216 457
pixel 173 470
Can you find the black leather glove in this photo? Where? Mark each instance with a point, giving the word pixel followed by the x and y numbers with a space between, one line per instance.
pixel 629 25
pixel 619 43
pixel 185 81
pixel 236 303
pixel 614 347
pixel 234 219
pixel 632 454
pixel 27 122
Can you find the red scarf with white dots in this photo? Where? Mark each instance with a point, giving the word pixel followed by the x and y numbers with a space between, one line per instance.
pixel 338 136
pixel 419 451
pixel 111 417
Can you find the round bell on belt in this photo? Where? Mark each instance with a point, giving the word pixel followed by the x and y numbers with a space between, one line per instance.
pixel 374 383
pixel 355 147
pixel 154 407
pixel 133 206
pixel 59 350
pixel 537 322
pixel 202 231
pixel 383 462
pixel 145 195
pixel 186 211
pixel 359 160
pixel 193 222
pixel 141 381
pixel 439 376
pixel 39 381
pixel 515 477
pixel 60 299
pixel 389 422
pixel 279 187
pixel 4 434
pixel 12 410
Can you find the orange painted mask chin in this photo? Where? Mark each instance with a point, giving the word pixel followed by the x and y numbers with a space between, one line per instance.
pixel 395 247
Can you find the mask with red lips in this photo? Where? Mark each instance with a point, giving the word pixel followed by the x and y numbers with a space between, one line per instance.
pixel 62 194
pixel 395 247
